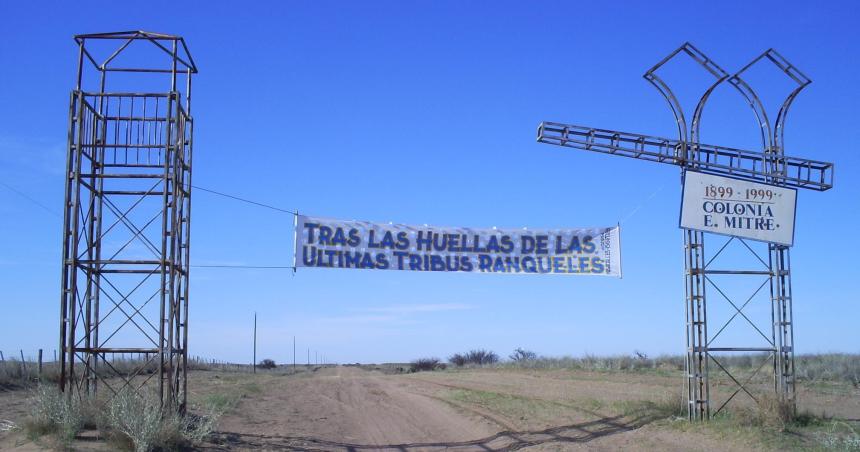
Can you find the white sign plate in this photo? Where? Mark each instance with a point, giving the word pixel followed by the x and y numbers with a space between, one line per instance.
pixel 752 210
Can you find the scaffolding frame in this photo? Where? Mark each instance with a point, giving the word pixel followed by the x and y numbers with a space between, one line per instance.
pixel 770 166
pixel 128 170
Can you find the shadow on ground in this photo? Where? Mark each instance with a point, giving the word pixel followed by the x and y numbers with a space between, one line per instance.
pixel 502 441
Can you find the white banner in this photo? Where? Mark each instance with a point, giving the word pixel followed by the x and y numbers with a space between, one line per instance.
pixel 329 243
pixel 722 205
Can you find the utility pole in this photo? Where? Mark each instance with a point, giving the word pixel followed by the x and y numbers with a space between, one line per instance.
pixel 294 353
pixel 254 363
pixel 309 357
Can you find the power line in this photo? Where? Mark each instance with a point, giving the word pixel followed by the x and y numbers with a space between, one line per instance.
pixel 245 200
pixel 289 267
pixel 28 198
pixel 259 204
pixel 641 204
pixel 245 266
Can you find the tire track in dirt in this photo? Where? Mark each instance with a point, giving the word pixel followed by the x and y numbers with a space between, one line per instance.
pixel 495 419
pixel 350 406
pixel 350 409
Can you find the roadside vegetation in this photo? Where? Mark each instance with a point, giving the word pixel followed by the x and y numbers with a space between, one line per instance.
pixel 426 364
pixel 768 424
pixel 267 364
pixel 128 420
pixel 831 367
pixel 131 421
pixel 477 357
pixel 771 425
pixel 17 374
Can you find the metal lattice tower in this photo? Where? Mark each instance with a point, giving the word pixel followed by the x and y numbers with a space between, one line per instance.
pixel 770 166
pixel 126 229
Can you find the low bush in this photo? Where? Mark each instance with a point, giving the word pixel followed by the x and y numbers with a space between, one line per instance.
pixel 638 361
pixel 14 374
pixel 520 355
pixel 457 359
pixel 267 364
pixel 478 357
pixel 129 420
pixel 482 357
pixel 839 436
pixel 770 413
pixel 140 418
pixel 426 364
pixel 51 411
pixel 829 367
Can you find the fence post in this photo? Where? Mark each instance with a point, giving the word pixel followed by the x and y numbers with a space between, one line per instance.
pixel 2 359
pixel 40 364
pixel 23 364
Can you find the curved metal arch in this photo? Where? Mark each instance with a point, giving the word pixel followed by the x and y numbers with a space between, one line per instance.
pixel 666 92
pixel 697 114
pixel 756 105
pixel 677 111
pixel 773 140
pixel 772 137
pixel 695 134
pixel 721 76
pixel 692 134
pixel 802 81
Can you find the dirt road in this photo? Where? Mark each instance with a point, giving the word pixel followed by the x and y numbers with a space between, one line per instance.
pixel 350 409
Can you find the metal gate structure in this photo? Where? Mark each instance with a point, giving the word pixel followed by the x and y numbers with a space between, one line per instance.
pixel 770 264
pixel 127 217
pixel 125 279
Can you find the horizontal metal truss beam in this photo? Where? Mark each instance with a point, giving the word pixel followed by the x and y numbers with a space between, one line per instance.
pixel 790 171
pixel 115 350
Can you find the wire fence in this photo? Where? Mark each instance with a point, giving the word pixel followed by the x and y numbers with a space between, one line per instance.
pixel 22 370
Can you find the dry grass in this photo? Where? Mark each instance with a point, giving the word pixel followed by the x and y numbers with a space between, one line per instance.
pixel 15 374
pixel 51 412
pixel 477 357
pixel 838 367
pixel 128 420
pixel 426 364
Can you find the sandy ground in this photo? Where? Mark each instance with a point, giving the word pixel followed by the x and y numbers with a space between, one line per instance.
pixel 346 408
pixel 352 409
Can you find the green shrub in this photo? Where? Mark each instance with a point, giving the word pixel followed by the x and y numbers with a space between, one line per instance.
pixel 478 357
pixel 426 364
pixel 840 436
pixel 139 419
pixel 136 416
pixel 457 360
pixel 51 411
pixel 267 364
pixel 520 355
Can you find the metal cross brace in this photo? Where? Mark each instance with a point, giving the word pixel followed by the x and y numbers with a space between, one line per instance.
pixel 769 165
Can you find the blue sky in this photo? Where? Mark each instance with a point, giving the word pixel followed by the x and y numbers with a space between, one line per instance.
pixel 425 112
